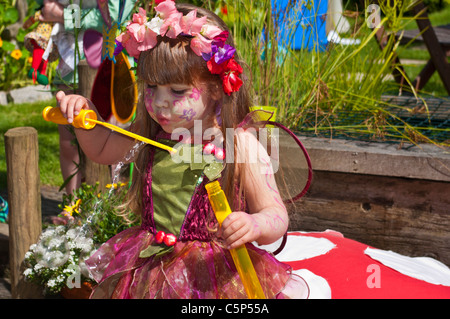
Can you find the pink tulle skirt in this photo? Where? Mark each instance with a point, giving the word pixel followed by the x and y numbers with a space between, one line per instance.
pixel 193 270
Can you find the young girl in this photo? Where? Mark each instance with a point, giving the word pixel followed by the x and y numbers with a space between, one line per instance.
pixel 193 82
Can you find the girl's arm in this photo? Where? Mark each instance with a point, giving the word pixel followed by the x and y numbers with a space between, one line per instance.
pixel 268 218
pixel 100 144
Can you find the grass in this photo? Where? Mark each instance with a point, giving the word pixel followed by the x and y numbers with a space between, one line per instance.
pixel 30 114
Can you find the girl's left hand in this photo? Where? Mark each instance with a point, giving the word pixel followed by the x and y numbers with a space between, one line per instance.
pixel 239 228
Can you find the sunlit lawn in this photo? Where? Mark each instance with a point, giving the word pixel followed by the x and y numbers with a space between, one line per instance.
pixel 17 115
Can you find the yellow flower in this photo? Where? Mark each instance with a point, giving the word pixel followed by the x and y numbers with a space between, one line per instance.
pixel 30 60
pixel 16 54
pixel 73 208
pixel 115 185
pixel 1 42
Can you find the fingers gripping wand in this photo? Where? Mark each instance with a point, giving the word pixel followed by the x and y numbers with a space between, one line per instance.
pixel 240 255
pixel 87 119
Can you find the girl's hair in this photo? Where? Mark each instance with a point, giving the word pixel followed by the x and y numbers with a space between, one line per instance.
pixel 173 61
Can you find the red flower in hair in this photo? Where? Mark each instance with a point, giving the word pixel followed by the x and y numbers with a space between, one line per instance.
pixel 215 68
pixel 231 83
pixel 229 73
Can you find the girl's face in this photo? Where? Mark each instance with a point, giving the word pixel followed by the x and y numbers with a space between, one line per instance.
pixel 178 105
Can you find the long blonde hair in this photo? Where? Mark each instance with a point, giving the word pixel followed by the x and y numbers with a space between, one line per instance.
pixel 173 61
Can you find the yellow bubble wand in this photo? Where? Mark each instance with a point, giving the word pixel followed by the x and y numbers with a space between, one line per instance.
pixel 240 255
pixel 87 119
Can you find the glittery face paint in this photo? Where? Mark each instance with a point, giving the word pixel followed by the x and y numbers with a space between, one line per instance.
pixel 148 100
pixel 177 106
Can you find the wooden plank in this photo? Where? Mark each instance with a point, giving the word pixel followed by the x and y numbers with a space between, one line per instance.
pixel 442 35
pixel 423 162
pixel 407 216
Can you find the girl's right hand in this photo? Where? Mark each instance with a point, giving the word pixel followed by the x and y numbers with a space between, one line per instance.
pixel 70 105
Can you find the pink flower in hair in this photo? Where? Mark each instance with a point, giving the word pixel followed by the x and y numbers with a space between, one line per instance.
pixel 137 31
pixel 166 9
pixel 130 44
pixel 191 24
pixel 210 31
pixel 200 45
pixel 137 27
pixel 141 17
pixel 171 27
pixel 149 41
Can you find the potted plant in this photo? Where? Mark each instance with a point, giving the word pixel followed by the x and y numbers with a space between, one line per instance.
pixel 56 261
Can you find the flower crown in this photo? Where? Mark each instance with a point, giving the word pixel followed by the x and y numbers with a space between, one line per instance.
pixel 208 41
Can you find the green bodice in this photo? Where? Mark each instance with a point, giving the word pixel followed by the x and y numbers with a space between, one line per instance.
pixel 173 185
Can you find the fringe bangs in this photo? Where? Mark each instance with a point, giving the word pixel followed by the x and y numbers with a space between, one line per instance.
pixel 172 61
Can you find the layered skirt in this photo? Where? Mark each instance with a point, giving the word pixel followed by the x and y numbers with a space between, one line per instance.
pixel 191 270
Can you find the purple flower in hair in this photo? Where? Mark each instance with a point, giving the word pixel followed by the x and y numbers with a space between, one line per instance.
pixel 218 43
pixel 224 54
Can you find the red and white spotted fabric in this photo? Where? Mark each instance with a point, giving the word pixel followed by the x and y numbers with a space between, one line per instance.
pixel 340 268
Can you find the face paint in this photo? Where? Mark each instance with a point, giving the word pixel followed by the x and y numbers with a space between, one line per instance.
pixel 196 94
pixel 178 106
pixel 188 114
pixel 148 100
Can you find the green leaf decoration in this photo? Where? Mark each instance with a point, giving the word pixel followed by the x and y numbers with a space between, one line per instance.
pixel 156 251
pixel 213 170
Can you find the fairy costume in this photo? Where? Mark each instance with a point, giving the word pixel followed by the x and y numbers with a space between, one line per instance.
pixel 133 265
pixel 189 260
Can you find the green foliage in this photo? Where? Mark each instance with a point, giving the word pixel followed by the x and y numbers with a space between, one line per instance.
pixel 99 210
pixel 13 57
pixel 433 5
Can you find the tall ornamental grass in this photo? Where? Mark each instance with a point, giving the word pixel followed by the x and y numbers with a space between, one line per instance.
pixel 333 92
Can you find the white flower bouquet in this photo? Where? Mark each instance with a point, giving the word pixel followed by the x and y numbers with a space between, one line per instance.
pixel 57 259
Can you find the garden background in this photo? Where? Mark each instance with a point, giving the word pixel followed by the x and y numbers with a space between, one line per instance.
pixel 336 92
pixel 315 92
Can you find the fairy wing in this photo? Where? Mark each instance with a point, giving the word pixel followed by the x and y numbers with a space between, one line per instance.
pixel 124 93
pixel 115 90
pixel 289 158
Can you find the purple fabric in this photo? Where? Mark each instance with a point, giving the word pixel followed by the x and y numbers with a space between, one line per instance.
pixel 92 47
pixel 199 216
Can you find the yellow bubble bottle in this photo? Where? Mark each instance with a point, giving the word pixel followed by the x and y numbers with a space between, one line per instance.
pixel 240 255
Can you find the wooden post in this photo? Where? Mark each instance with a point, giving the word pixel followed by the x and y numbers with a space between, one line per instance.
pixel 93 172
pixel 24 197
